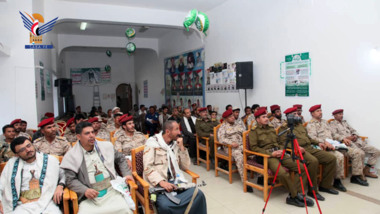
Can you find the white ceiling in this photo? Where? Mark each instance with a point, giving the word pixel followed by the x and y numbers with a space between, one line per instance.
pixel 110 29
pixel 175 5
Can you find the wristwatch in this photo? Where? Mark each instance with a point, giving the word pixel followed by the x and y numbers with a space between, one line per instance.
pixel 62 184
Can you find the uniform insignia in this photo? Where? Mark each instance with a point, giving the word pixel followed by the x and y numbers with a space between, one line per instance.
pixel 254 127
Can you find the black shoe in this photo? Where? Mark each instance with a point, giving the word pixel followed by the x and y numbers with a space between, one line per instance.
pixel 295 201
pixel 249 189
pixel 309 202
pixel 319 196
pixel 338 185
pixel 331 191
pixel 355 179
pixel 260 180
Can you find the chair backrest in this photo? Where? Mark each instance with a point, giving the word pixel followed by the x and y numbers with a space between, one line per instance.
pixel 73 143
pixel 305 124
pixel 59 158
pixel 2 165
pixel 329 121
pixel 137 160
pixel 99 139
pixel 146 136
pixel 278 130
pixel 246 140
pixel 216 128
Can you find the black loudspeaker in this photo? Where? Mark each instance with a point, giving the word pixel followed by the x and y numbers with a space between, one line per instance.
pixel 244 75
pixel 65 87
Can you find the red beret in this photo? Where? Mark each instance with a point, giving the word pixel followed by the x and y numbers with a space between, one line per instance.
pixel 70 121
pixel 49 114
pixel 290 110
pixel 260 112
pixel 297 105
pixel 122 117
pixel 194 104
pixel 313 108
pixel 94 119
pixel 202 109
pixel 227 113
pixel 15 121
pixel 45 122
pixel 337 111
pixel 126 119
pixel 274 108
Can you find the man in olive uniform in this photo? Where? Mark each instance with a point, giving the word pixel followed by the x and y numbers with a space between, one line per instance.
pixel 313 157
pixel 50 143
pixel 98 131
pixel 214 118
pixel 319 130
pixel 263 139
pixel 343 132
pixel 5 150
pixel 70 134
pixel 299 111
pixel 204 127
pixel 231 133
pixel 276 119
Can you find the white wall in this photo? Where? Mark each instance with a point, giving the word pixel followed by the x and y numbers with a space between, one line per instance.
pixel 17 81
pixel 339 36
pixel 148 67
pixel 122 71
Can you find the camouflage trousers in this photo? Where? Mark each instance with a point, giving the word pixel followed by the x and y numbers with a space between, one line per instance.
pixel 339 174
pixel 237 154
pixel 357 159
pixel 373 152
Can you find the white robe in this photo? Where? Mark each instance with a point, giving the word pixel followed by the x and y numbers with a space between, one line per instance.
pixel 45 203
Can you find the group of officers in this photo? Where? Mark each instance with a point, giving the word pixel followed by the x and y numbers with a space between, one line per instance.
pixel 90 164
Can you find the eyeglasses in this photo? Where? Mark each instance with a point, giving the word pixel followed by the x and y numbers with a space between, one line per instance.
pixel 24 148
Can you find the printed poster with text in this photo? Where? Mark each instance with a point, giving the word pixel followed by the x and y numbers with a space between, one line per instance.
pixel 297 74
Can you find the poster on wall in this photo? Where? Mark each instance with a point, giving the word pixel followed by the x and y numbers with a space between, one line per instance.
pixel 48 82
pixel 221 78
pixel 297 74
pixel 42 79
pixel 90 76
pixel 184 76
pixel 145 88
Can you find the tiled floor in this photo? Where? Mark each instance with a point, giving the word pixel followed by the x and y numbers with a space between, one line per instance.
pixel 223 197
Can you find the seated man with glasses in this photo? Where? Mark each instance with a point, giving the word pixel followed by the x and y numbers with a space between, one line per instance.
pixel 30 181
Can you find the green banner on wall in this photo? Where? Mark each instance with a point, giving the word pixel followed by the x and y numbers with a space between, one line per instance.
pixel 297 74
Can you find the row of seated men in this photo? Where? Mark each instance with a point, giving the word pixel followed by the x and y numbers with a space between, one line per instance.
pixel 320 142
pixel 88 167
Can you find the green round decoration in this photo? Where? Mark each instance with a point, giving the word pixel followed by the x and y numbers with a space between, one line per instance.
pixel 107 68
pixel 130 32
pixel 109 53
pixel 190 18
pixel 131 47
pixel 202 23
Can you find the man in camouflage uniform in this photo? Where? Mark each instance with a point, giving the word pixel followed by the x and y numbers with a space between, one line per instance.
pixel 319 130
pixel 98 131
pixel 5 150
pixel 263 139
pixel 276 120
pixel 231 133
pixel 129 139
pixel 343 132
pixel 238 120
pixel 111 120
pixel 50 143
pixel 115 125
pixel 313 157
pixel 17 125
pixel 70 134
pixel 205 128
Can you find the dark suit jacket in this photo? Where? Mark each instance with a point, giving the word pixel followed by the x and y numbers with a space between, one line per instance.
pixel 187 134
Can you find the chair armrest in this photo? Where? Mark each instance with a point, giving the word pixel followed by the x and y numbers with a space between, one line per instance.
pixel 193 175
pixel 205 138
pixel 66 198
pixel 256 153
pixel 133 187
pixel 74 200
pixel 140 180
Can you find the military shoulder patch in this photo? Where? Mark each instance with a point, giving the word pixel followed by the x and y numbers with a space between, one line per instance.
pixel 38 139
pixel 253 127
pixel 61 138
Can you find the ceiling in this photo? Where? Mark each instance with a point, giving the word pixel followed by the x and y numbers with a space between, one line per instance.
pixel 175 5
pixel 111 29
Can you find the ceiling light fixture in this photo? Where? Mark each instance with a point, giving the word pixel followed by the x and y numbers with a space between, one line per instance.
pixel 83 25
